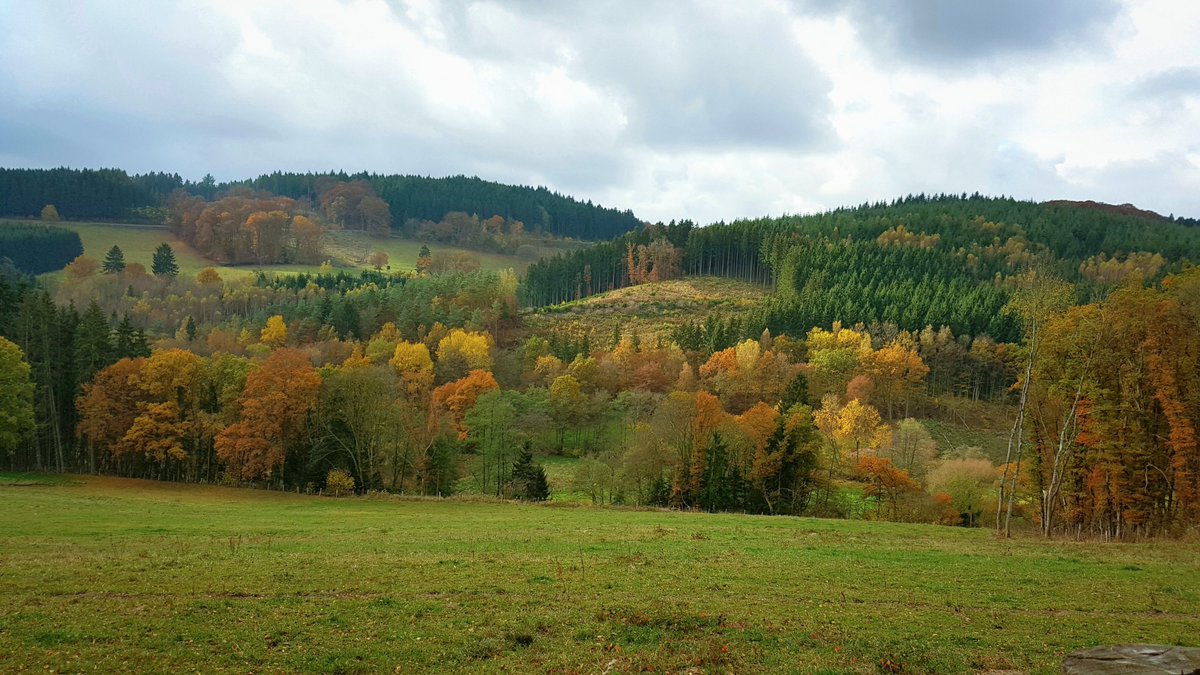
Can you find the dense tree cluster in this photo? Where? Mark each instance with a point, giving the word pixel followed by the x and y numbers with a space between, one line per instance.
pixel 111 194
pixel 78 194
pixel 420 198
pixel 1114 405
pixel 35 249
pixel 246 228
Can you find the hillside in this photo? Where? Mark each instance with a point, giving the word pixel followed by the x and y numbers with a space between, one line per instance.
pixel 652 311
pixel 113 195
pixel 102 572
pixel 343 249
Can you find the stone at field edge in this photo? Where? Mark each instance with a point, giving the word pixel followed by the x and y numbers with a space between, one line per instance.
pixel 1134 660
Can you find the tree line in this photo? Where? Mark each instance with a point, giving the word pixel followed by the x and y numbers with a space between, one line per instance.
pixel 112 194
pixel 34 249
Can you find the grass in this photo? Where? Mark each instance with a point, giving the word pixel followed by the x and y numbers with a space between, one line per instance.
pixel 112 574
pixel 344 249
pixel 652 310
pixel 354 247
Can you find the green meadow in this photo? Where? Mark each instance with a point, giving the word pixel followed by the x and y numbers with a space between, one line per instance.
pixel 343 249
pixel 107 574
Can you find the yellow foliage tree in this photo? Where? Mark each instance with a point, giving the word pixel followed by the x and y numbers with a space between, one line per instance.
pixel 275 333
pixel 415 367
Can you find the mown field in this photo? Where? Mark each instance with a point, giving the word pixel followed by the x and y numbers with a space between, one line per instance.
pixel 103 574
pixel 343 249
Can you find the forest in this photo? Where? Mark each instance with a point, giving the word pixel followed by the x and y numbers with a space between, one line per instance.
pixel 879 325
pixel 112 194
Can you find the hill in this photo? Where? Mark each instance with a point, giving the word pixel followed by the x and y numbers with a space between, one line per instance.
pixel 652 311
pixel 343 249
pixel 105 572
pixel 111 194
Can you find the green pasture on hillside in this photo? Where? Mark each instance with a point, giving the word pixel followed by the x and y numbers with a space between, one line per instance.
pixel 105 574
pixel 343 249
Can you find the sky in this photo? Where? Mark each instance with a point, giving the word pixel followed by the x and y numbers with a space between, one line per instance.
pixel 674 109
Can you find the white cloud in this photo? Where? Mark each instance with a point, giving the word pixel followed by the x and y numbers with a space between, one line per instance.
pixel 704 110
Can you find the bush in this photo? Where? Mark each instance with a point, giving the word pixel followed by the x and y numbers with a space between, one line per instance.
pixel 339 482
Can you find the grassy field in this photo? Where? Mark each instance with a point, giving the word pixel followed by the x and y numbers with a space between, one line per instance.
pixel 651 309
pixel 352 248
pixel 344 249
pixel 118 575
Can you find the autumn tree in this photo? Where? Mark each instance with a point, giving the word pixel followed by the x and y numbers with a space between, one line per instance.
pixel 1036 302
pixel 378 260
pixel 885 483
pixel 460 352
pixel 308 237
pixel 275 333
pixel 268 231
pixel 107 406
pixel 275 408
pixel 415 368
pixel 355 206
pixel 452 401
pixel 16 398
pixel 81 268
pixel 358 419
pixel 898 372
pixel 50 214
pixel 424 260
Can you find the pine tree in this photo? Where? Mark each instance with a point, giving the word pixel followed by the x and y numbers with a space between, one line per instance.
pixel 796 393
pixel 123 339
pixel 164 264
pixel 190 329
pixel 528 479
pixel 114 261
pixel 93 349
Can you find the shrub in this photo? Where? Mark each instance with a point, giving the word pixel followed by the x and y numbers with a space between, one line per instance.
pixel 339 482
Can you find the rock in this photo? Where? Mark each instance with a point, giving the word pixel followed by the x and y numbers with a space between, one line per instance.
pixel 1134 660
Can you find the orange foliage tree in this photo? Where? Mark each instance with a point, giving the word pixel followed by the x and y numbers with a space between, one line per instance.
pixel 275 406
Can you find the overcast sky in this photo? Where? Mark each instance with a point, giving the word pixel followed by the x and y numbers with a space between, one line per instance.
pixel 702 110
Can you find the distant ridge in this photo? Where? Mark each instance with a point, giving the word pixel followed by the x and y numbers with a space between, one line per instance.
pixel 1118 209
pixel 114 195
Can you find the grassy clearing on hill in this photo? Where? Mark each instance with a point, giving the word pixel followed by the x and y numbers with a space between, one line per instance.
pixel 352 248
pixel 651 309
pixel 138 242
pixel 343 249
pixel 114 574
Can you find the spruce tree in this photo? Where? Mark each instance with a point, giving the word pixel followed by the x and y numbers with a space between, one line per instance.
pixel 123 339
pixel 528 478
pixel 114 261
pixel 190 329
pixel 93 349
pixel 164 264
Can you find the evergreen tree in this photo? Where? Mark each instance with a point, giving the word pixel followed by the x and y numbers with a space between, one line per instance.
pixel 114 261
pixel 528 478
pixel 347 321
pixel 93 349
pixel 123 339
pixel 190 329
pixel 796 393
pixel 164 264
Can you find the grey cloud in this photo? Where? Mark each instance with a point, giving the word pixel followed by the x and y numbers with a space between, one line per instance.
pixel 1175 83
pixel 687 75
pixel 952 33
